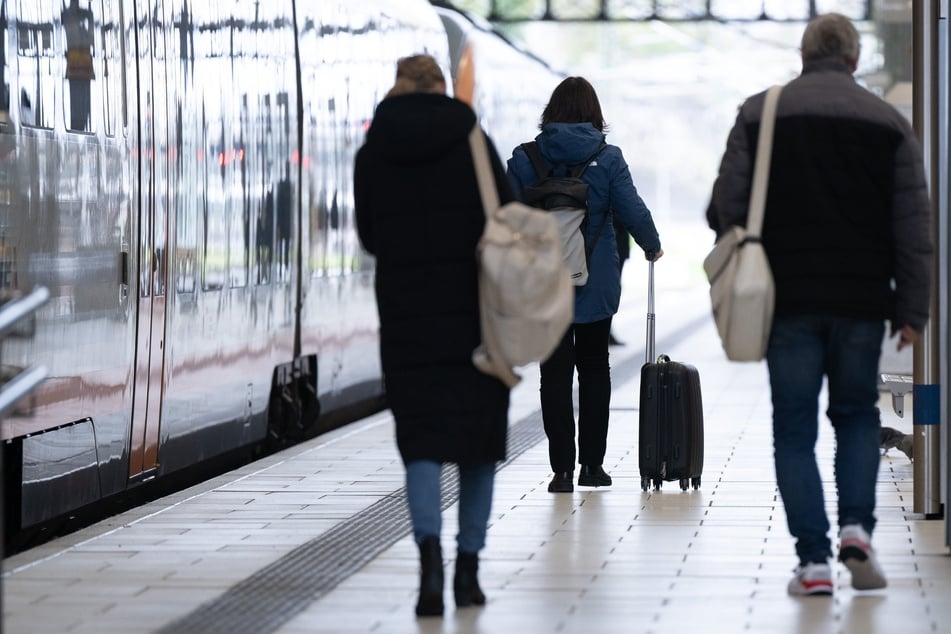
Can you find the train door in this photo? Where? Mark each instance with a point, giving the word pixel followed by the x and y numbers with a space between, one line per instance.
pixel 152 239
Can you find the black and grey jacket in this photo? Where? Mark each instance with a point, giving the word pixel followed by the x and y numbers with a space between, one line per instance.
pixel 847 223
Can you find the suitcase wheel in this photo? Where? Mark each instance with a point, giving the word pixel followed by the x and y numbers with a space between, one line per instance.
pixel 684 485
pixel 645 484
pixel 657 483
pixel 695 482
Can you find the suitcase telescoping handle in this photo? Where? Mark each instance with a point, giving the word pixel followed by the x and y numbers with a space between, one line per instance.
pixel 649 348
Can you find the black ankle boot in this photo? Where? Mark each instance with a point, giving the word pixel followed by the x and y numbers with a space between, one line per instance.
pixel 465 585
pixel 593 477
pixel 430 578
pixel 562 482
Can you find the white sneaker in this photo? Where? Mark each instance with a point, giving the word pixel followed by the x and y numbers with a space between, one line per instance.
pixel 855 551
pixel 811 580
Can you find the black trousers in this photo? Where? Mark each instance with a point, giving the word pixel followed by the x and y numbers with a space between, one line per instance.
pixel 585 347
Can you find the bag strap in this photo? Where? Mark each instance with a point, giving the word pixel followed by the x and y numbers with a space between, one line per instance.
pixel 597 234
pixel 538 161
pixel 480 157
pixel 764 151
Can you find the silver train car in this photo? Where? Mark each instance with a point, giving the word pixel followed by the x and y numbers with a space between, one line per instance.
pixel 507 87
pixel 178 175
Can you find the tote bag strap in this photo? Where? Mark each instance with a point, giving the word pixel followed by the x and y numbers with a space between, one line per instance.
pixel 480 156
pixel 764 151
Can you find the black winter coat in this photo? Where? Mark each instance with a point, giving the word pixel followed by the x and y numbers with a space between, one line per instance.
pixel 419 212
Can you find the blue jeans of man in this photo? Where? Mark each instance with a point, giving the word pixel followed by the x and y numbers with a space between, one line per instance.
pixel 585 347
pixel 475 502
pixel 803 349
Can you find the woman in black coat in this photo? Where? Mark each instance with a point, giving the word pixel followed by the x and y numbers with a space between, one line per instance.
pixel 419 212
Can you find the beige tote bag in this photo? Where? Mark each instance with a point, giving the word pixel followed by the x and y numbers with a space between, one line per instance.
pixel 526 300
pixel 742 291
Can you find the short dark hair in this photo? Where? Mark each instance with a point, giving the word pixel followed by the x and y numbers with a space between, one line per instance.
pixel 574 101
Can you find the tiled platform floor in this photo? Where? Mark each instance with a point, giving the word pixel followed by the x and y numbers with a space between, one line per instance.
pixel 595 561
pixel 619 560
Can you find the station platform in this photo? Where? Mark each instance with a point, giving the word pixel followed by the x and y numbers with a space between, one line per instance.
pixel 317 539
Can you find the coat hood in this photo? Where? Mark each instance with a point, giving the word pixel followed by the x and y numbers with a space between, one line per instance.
pixel 569 143
pixel 419 127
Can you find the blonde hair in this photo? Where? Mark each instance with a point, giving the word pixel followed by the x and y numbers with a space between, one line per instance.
pixel 418 73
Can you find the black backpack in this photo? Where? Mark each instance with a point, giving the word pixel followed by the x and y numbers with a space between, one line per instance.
pixel 560 190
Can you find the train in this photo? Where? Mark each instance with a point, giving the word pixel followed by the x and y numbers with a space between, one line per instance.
pixel 178 176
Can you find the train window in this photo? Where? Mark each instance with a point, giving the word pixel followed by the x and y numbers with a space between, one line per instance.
pixel 79 34
pixel 527 9
pixel 632 9
pixel 240 222
pixel 187 167
pixel 479 7
pixel 215 256
pixel 187 191
pixel 281 243
pixel 754 9
pixel 36 60
pixel 264 211
pixel 190 200
pixel 112 67
pixel 578 9
pixel 226 215
pixel 239 226
pixel 858 9
pixel 186 245
pixel 214 261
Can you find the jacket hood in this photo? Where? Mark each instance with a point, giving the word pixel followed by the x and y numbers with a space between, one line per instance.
pixel 569 143
pixel 419 127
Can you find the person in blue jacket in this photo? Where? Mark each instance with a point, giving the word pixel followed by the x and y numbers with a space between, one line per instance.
pixel 572 130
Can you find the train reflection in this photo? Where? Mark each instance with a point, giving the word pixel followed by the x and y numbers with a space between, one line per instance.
pixel 178 175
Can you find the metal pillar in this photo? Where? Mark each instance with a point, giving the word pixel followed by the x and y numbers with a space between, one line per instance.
pixel 944 235
pixel 927 396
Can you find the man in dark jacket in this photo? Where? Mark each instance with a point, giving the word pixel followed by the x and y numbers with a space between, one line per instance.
pixel 847 233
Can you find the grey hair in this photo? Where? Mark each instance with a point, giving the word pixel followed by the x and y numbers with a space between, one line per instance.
pixel 830 36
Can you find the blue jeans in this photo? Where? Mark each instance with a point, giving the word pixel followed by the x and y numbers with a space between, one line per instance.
pixel 585 347
pixel 803 349
pixel 475 502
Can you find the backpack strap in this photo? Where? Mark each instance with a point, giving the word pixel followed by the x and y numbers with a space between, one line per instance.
pixel 541 165
pixel 538 161
pixel 597 234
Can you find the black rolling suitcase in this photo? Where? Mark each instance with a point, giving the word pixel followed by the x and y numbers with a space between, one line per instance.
pixel 671 416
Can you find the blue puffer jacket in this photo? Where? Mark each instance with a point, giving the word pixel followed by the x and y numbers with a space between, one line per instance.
pixel 610 188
